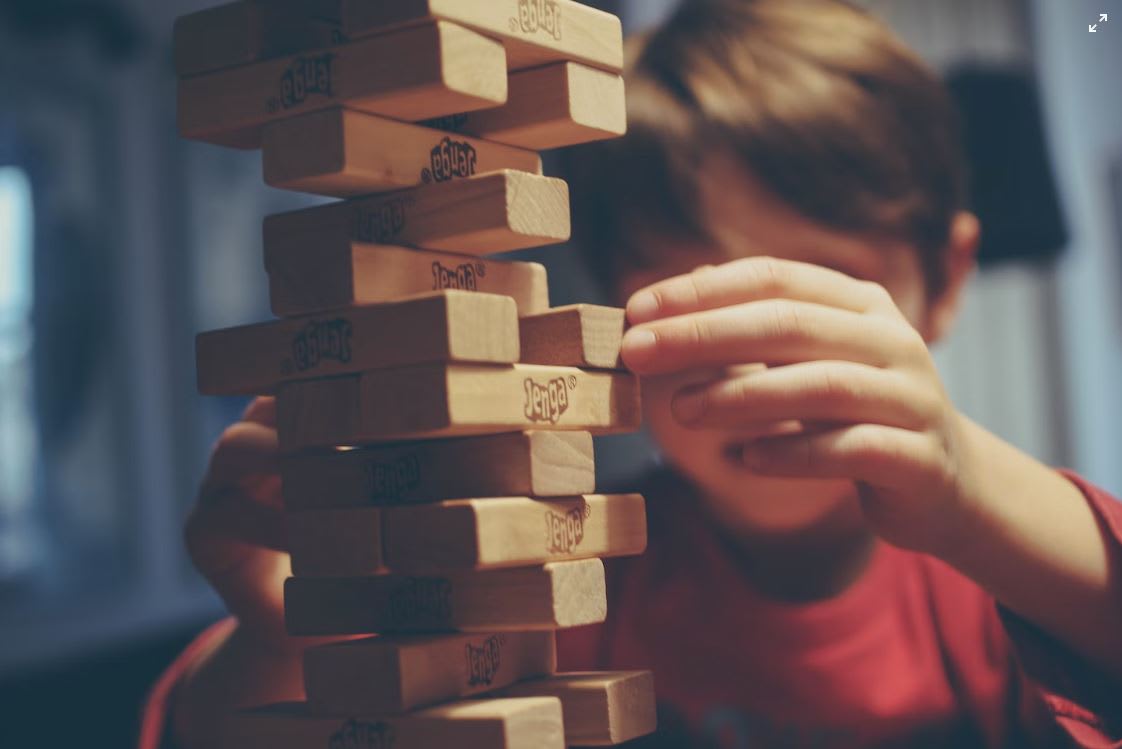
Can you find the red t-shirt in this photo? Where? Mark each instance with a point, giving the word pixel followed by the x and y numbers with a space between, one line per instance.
pixel 911 655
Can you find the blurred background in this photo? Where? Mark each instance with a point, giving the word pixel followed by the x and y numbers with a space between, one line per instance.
pixel 118 242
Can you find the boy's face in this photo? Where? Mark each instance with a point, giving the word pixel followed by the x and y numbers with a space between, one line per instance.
pixel 746 221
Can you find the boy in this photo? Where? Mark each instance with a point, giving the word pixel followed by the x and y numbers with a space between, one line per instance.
pixel 828 536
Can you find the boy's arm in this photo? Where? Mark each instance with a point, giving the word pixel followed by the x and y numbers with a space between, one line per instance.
pixel 155 725
pixel 1047 548
pixel 235 535
pixel 845 357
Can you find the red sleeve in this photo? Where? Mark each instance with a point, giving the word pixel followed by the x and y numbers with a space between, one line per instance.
pixel 1084 700
pixel 154 724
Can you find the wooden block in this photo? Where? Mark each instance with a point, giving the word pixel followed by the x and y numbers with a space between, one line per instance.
pixel 412 74
pixel 536 32
pixel 439 327
pixel 453 401
pixel 501 532
pixel 555 596
pixel 491 533
pixel 331 10
pixel 481 215
pixel 391 675
pixel 333 275
pixel 580 335
pixel 323 542
pixel 530 723
pixel 249 31
pixel 537 464
pixel 600 709
pixel 343 153
pixel 557 105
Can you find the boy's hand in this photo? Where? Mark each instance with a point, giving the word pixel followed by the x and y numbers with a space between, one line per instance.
pixel 842 360
pixel 851 372
pixel 235 534
pixel 236 538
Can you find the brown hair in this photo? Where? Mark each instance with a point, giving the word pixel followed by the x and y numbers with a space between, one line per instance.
pixel 817 100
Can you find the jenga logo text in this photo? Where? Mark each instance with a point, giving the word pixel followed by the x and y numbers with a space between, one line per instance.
pixel 420 602
pixel 389 481
pixel 357 735
pixel 319 341
pixel 450 159
pixel 483 661
pixel 464 277
pixel 306 76
pixel 547 402
pixel 538 15
pixel 380 223
pixel 563 533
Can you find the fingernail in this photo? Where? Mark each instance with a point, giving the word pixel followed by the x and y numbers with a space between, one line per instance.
pixel 638 344
pixel 688 407
pixel 642 307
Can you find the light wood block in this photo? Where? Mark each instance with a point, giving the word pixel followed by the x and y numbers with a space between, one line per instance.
pixel 392 675
pixel 531 723
pixel 537 464
pixel 439 327
pixel 498 532
pixel 343 153
pixel 453 401
pixel 481 215
pixel 324 542
pixel 555 596
pixel 480 534
pixel 536 32
pixel 579 335
pixel 249 31
pixel 550 107
pixel 334 275
pixel 600 709
pixel 412 74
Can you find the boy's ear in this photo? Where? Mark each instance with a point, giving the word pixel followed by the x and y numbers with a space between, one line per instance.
pixel 960 258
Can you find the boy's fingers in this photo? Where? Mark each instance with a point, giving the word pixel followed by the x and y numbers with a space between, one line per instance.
pixel 236 516
pixel 249 578
pixel 773 331
pixel 245 449
pixel 820 391
pixel 881 456
pixel 753 279
pixel 262 410
pixel 239 545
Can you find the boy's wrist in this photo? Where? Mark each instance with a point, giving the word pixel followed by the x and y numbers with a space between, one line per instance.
pixel 241 669
pixel 950 522
pixel 186 701
pixel 976 519
pixel 964 523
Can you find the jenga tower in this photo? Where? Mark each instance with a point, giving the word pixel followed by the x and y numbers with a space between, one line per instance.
pixel 435 414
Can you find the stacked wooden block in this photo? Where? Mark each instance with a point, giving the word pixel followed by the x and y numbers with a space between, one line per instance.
pixel 435 415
